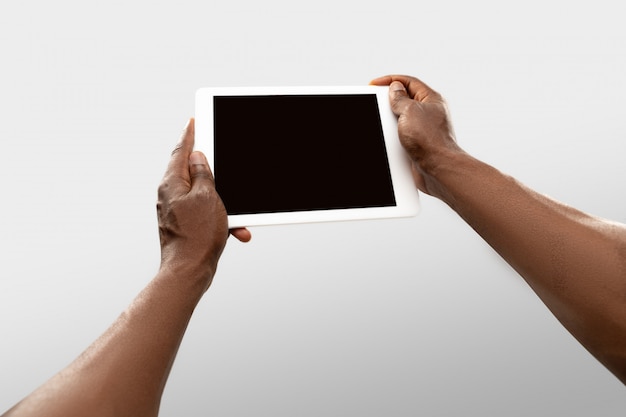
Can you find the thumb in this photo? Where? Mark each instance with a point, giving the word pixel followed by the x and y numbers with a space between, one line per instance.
pixel 397 97
pixel 199 171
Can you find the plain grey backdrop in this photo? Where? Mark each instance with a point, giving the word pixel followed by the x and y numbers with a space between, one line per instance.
pixel 410 317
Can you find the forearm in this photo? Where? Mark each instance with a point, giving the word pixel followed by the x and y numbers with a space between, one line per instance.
pixel 123 373
pixel 125 370
pixel 576 263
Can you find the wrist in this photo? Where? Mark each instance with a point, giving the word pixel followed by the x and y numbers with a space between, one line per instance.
pixel 458 179
pixel 439 169
pixel 186 275
pixel 190 259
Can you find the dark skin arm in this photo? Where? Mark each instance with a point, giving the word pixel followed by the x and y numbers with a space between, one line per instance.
pixel 575 262
pixel 123 373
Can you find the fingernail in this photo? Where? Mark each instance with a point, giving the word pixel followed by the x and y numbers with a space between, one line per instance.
pixel 196 158
pixel 396 86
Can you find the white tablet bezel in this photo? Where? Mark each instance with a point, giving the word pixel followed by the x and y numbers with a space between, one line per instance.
pixel 406 195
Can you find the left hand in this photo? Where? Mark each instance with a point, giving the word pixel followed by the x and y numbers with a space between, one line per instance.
pixel 193 226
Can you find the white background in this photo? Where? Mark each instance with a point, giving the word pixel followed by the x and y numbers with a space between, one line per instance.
pixel 371 318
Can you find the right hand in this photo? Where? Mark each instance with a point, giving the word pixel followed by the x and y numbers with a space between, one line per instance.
pixel 424 125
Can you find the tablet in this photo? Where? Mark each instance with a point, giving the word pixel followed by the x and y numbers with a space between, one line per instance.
pixel 304 154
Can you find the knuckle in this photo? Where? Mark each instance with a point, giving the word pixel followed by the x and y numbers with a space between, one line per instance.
pixel 205 194
pixel 202 174
pixel 164 188
pixel 177 149
pixel 410 108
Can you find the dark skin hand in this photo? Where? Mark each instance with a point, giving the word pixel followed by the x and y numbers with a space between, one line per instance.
pixel 123 373
pixel 575 262
pixel 188 204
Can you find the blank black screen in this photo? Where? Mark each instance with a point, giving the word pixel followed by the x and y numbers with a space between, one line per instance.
pixel 281 153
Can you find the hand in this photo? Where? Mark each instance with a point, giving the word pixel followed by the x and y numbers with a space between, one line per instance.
pixel 424 125
pixel 193 225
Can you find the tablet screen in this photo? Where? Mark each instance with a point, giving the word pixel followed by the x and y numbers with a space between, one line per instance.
pixel 286 153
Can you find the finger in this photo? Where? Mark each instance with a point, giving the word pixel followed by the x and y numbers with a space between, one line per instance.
pixel 385 80
pixel 179 163
pixel 416 89
pixel 199 172
pixel 399 98
pixel 176 180
pixel 241 233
